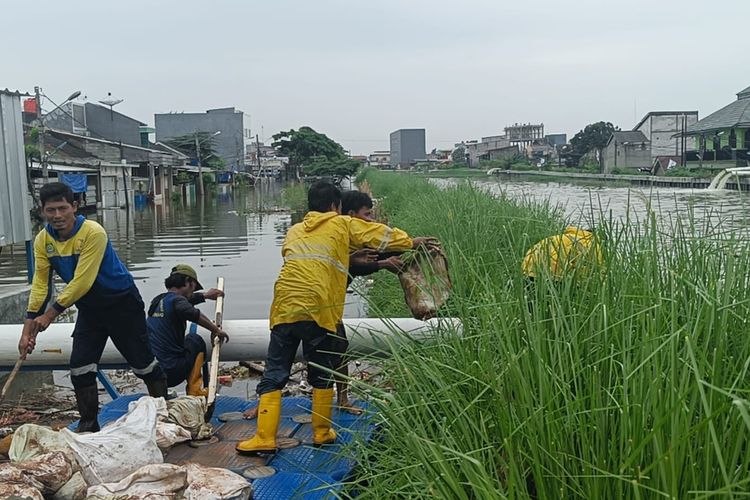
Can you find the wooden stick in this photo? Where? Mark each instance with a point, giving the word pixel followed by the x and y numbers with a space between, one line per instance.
pixel 213 376
pixel 11 377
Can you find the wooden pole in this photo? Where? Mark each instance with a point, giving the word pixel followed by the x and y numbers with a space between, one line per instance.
pixel 213 376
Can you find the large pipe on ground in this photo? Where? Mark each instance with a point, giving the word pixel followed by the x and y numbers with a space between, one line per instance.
pixel 248 340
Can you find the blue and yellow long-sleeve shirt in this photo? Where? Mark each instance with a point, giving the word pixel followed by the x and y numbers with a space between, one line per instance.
pixel 86 261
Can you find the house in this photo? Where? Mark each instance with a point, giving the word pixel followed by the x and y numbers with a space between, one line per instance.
pixel 665 129
pixel 627 150
pixel 379 159
pixel 87 118
pixel 228 126
pixel 495 147
pixel 724 135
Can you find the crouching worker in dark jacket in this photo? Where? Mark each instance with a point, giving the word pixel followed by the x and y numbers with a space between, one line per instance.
pixel 182 357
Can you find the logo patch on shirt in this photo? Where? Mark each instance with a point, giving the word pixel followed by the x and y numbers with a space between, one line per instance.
pixel 50 249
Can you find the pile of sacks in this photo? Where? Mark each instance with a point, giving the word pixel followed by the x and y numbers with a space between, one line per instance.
pixel 123 461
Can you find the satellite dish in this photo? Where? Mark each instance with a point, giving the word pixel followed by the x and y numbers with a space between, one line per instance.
pixel 110 101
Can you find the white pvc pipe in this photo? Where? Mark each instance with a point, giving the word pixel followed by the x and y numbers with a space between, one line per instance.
pixel 248 340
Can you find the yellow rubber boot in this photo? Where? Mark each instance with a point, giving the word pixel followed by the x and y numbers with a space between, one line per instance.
pixel 322 406
pixel 195 379
pixel 269 412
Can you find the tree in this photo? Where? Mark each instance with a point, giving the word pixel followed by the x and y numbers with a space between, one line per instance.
pixel 338 169
pixel 209 158
pixel 458 156
pixel 593 136
pixel 303 145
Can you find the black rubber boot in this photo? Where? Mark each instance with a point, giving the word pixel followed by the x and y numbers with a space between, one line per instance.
pixel 87 399
pixel 157 388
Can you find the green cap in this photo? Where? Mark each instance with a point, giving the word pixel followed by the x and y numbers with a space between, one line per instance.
pixel 188 271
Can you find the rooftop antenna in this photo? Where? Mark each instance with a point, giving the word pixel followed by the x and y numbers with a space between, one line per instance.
pixel 111 102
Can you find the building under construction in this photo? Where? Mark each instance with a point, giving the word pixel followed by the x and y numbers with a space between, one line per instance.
pixel 524 134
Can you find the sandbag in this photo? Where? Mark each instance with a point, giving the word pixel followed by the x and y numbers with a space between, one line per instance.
pixel 17 490
pixel 15 484
pixel 425 281
pixel 74 489
pixel 189 412
pixel 151 482
pixel 51 470
pixel 209 483
pixel 121 447
pixel 31 440
pixel 168 434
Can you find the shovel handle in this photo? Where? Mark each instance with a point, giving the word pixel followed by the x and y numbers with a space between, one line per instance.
pixel 11 377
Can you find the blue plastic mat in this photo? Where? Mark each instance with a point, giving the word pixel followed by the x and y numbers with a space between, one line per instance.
pixel 304 472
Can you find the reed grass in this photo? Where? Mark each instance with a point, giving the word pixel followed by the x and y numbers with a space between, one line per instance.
pixel 632 383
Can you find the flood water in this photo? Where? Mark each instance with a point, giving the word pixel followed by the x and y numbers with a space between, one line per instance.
pixel 586 204
pixel 238 234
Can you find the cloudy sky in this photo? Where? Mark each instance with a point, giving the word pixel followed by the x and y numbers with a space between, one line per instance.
pixel 358 70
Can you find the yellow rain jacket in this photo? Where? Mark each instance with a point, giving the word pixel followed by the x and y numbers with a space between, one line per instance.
pixel 312 283
pixel 574 250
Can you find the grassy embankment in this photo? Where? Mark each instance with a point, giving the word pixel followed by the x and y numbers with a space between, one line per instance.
pixel 629 385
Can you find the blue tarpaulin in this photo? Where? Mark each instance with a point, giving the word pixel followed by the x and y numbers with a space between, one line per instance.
pixel 77 182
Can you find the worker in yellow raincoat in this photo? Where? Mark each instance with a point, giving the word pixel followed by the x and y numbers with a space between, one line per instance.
pixel 575 250
pixel 308 303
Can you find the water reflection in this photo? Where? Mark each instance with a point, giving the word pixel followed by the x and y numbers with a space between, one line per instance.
pixel 235 233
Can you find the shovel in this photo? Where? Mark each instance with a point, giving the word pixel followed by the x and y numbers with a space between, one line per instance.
pixel 213 376
pixel 11 377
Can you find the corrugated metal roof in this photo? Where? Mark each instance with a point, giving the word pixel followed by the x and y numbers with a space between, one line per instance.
pixel 16 93
pixel 15 224
pixel 735 114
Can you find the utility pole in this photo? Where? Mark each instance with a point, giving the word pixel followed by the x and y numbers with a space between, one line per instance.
pixel 257 154
pixel 200 165
pixel 40 134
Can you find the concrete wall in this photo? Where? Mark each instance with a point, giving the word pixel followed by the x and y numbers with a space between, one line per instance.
pixel 112 126
pixel 622 156
pixel 13 306
pixel 230 144
pixel 660 129
pixel 407 145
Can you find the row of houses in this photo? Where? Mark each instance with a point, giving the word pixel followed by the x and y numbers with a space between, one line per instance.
pixel 112 159
pixel 666 139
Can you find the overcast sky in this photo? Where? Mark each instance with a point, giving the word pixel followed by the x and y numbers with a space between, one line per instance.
pixel 359 70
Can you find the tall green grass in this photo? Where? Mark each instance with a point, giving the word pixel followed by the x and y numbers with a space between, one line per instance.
pixel 631 384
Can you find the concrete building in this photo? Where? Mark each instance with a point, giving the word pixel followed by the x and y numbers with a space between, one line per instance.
pixel 494 147
pixel 556 140
pixel 379 159
pixel 231 144
pixel 665 129
pixel 407 145
pixel 627 150
pixel 100 122
pixel 524 134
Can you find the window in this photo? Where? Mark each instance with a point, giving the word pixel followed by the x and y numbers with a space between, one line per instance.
pixel 79 117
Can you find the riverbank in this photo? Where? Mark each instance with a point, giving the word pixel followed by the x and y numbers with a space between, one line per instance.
pixel 629 385
pixel 606 179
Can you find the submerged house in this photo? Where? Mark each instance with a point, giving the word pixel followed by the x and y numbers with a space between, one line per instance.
pixel 724 135
pixel 627 150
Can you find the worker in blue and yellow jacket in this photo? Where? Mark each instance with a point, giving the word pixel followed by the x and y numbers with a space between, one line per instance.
pixel 103 291
pixel 308 303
